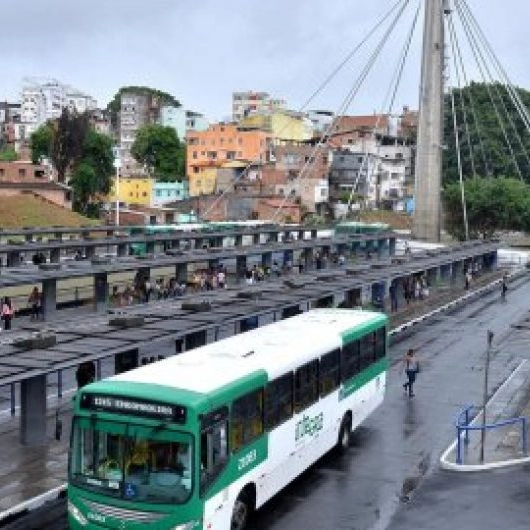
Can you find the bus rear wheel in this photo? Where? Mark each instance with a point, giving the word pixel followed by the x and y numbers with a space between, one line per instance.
pixel 344 439
pixel 241 513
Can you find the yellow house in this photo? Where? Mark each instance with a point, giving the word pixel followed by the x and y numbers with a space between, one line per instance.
pixel 203 183
pixel 134 190
pixel 284 126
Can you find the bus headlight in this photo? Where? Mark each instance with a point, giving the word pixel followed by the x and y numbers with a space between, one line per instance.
pixel 187 526
pixel 75 512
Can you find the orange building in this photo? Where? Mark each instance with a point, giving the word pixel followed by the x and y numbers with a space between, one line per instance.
pixel 224 142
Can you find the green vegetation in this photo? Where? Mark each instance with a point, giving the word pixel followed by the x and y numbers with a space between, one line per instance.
pixel 160 150
pixel 41 142
pixel 492 204
pixel 495 158
pixel 77 150
pixel 7 154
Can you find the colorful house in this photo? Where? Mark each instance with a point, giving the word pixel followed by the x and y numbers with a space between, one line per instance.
pixel 222 143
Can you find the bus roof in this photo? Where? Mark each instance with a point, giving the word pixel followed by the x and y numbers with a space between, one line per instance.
pixel 274 349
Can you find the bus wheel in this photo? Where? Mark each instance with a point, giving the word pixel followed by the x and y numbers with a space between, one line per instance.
pixel 343 441
pixel 241 512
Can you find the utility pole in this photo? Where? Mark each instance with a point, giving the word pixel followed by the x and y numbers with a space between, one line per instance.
pixel 427 208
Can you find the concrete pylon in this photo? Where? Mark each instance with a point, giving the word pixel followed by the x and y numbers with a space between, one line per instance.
pixel 427 207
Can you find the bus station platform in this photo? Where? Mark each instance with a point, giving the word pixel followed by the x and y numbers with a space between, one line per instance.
pixel 31 476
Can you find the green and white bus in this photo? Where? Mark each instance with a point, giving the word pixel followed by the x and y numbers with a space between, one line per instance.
pixel 202 439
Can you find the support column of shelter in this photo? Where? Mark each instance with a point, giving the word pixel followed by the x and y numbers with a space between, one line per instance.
pixel 241 267
pixel 433 276
pixel 49 298
pixel 13 259
pixel 457 272
pixel 150 247
pixel 55 255
pixel 266 260
pixel 308 258
pixel 181 273
pixel 392 246
pixel 90 252
pixel 273 237
pixel 445 273
pixel 101 292
pixel 256 239
pixel 122 250
pixel 33 411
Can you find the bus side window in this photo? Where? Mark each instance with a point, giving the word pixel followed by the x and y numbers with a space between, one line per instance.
pixel 350 364
pixel 247 419
pixel 367 350
pixel 329 372
pixel 278 401
pixel 380 343
pixel 306 385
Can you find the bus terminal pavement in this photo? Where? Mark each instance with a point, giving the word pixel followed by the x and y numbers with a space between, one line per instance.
pixel 31 476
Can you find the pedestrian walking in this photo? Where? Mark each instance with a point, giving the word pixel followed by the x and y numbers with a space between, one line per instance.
pixel 504 287
pixel 468 279
pixel 412 367
pixel 7 313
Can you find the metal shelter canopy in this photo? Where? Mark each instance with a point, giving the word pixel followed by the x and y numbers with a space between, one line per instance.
pixel 79 340
pixel 29 274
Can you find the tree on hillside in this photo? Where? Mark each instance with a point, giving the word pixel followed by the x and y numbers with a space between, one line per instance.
pixel 159 149
pixel 41 142
pixel 97 153
pixel 70 131
pixel 115 104
pixel 80 152
pixel 492 204
pixel 490 150
pixel 8 154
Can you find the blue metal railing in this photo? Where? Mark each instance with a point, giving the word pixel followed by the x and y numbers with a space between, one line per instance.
pixel 463 428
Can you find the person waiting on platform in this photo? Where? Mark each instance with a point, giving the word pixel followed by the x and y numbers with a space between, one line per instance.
pixel 35 302
pixel 7 312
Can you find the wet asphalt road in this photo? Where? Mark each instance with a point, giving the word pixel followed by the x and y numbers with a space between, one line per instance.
pixel 390 477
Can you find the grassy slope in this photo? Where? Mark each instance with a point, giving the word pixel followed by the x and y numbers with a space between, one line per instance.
pixel 27 210
pixel 397 220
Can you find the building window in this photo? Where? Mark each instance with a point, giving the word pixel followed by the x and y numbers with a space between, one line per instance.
pixel 158 193
pixel 131 194
pixel 21 172
pixel 194 154
pixel 144 194
pixel 1 172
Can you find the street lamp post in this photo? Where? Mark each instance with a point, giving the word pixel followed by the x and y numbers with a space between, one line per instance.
pixel 117 165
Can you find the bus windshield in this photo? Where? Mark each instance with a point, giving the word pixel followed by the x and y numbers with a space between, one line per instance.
pixel 132 462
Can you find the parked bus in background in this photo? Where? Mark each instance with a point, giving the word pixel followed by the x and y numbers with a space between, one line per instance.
pixel 203 439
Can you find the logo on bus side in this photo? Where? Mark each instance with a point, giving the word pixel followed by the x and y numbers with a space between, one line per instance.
pixel 309 426
pixel 247 459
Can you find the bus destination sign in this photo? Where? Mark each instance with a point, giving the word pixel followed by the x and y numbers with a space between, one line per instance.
pixel 137 407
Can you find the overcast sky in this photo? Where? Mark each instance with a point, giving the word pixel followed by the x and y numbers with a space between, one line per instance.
pixel 203 50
